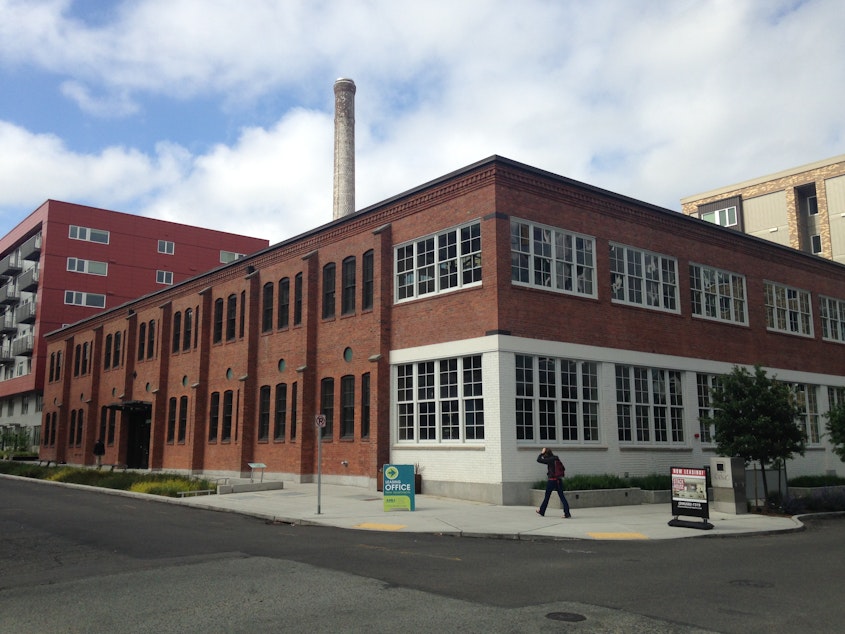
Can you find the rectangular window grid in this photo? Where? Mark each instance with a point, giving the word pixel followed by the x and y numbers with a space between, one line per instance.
pixel 649 405
pixel 550 258
pixel 717 294
pixel 440 401
pixel 788 310
pixel 833 319
pixel 643 278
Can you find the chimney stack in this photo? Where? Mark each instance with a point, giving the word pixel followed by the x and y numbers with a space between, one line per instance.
pixel 344 148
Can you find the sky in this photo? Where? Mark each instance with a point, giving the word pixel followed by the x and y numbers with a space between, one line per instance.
pixel 219 113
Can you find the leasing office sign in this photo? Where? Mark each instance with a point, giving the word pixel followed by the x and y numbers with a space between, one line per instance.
pixel 398 487
pixel 689 492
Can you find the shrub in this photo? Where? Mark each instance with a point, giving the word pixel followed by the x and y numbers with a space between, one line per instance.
pixel 653 482
pixel 824 500
pixel 816 481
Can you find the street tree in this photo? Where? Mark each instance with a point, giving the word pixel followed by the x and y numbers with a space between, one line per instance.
pixel 755 417
pixel 836 429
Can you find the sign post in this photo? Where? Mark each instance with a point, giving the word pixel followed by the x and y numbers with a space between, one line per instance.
pixel 320 424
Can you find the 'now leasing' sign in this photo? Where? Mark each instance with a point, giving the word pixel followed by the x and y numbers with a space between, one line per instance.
pixel 398 487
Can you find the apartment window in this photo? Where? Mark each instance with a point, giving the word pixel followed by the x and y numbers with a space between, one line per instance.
pixel 365 405
pixel 267 307
pixel 231 316
pixel 92 267
pixel 549 258
pixel 213 416
pixel 643 278
pixel 164 277
pixel 78 298
pixel 177 331
pixel 367 281
pixel 264 413
pixel 88 234
pixel 348 290
pixel 183 420
pixel 167 247
pixel 328 290
pixel 171 420
pixel 649 405
pixel 281 411
pixel 347 406
pixel 218 320
pixel 705 383
pixel 812 205
pixel 327 406
pixel 283 317
pixel 189 326
pixel 230 256
pixel 297 299
pixel 725 217
pixel 439 263
pixel 806 397
pixel 440 401
pixel 816 244
pixel 228 402
pixel 788 309
pixel 833 319
pixel 556 399
pixel 717 294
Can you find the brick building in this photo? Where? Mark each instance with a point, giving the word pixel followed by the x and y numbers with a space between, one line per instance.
pixel 802 207
pixel 65 262
pixel 460 326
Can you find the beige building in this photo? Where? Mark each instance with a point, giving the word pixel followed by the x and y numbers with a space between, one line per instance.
pixel 802 207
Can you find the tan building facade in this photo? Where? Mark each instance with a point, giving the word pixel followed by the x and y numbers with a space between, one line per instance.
pixel 802 207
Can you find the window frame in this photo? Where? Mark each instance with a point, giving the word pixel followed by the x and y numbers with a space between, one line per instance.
pixel 631 286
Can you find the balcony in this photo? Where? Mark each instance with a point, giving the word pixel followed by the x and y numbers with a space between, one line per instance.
pixel 8 325
pixel 26 312
pixel 28 280
pixel 23 346
pixel 31 249
pixel 11 264
pixel 9 293
pixel 6 356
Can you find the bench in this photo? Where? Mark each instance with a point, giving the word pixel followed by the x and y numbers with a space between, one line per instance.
pixel 114 466
pixel 46 463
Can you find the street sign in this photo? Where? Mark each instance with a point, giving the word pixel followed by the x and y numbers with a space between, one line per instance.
pixel 320 420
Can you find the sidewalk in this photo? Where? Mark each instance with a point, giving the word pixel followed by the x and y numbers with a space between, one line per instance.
pixel 356 508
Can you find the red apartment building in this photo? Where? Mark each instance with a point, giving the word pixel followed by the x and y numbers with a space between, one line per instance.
pixel 66 262
pixel 460 326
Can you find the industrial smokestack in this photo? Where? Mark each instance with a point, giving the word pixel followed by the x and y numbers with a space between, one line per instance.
pixel 344 148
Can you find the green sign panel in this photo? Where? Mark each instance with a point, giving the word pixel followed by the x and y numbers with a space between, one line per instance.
pixel 398 487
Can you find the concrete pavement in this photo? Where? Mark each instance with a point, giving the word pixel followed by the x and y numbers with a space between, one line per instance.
pixel 361 509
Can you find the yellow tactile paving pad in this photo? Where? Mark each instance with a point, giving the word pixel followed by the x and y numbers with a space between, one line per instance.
pixel 381 527
pixel 617 535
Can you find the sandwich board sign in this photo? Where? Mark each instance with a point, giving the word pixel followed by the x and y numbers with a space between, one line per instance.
pixel 398 487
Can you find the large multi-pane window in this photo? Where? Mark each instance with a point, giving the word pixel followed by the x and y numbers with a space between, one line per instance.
pixel 189 325
pixel 183 419
pixel 78 298
pixel 88 234
pixel 218 320
pixel 788 309
pixel 297 299
pixel 643 278
pixel 833 319
pixel 231 316
pixel 439 263
pixel 649 405
pixel 327 406
pixel 226 426
pixel 806 397
pixel 704 386
pixel 835 396
pixel 365 405
pixel 348 282
pixel 556 399
pixel 725 217
pixel 214 417
pixel 551 258
pixel 281 411
pixel 717 294
pixel 440 401
pixel 171 420
pixel 177 331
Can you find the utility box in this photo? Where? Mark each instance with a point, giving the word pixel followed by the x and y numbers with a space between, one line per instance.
pixel 727 476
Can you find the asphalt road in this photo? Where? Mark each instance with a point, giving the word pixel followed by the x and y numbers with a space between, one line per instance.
pixel 80 561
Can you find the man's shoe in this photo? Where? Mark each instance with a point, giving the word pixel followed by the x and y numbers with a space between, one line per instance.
pixel 567 517
pixel 537 511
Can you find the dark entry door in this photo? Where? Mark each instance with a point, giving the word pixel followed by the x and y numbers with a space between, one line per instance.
pixel 138 437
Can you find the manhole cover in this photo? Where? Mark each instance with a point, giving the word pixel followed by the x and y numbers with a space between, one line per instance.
pixel 569 617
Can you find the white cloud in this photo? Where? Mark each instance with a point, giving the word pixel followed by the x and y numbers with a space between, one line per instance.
pixel 655 99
